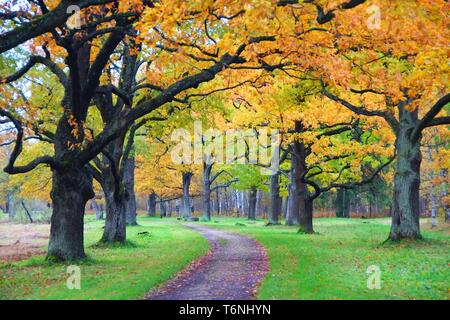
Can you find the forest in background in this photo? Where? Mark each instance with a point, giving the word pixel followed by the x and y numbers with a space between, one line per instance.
pixel 92 95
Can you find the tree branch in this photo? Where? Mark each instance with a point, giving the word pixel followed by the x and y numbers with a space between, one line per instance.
pixel 31 63
pixel 43 23
pixel 430 115
pixel 10 168
pixel 361 110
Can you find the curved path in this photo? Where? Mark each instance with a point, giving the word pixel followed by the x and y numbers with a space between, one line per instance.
pixel 232 270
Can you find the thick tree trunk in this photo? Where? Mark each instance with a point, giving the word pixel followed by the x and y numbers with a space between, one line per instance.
pixel 128 179
pixel 342 203
pixel 252 203
pixel 116 205
pixel 186 205
pixel 275 199
pixel 405 218
pixel 151 205
pixel 306 217
pixel 298 191
pixel 115 224
pixel 305 202
pixel 71 189
pixel 98 210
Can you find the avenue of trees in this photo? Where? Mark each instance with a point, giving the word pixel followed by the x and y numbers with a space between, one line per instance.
pixel 90 96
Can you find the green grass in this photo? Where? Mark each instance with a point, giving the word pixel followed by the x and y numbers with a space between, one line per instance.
pixel 333 263
pixel 118 272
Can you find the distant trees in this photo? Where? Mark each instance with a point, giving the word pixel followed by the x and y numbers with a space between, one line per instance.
pixel 130 64
pixel 79 58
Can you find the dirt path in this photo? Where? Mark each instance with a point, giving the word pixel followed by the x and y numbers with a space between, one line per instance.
pixel 232 270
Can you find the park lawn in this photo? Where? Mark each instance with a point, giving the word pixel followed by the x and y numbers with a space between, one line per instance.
pixel 333 263
pixel 124 272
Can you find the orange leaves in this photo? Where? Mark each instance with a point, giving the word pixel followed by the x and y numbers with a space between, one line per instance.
pixel 130 5
pixel 337 71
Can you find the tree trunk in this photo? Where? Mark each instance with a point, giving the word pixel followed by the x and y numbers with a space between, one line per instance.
pixel 71 189
pixel 405 218
pixel 151 205
pixel 207 204
pixel 186 205
pixel 128 180
pixel 217 202
pixel 115 225
pixel 10 208
pixel 226 202
pixel 258 196
pixel 207 191
pixel 306 217
pixel 98 210
pixel 27 212
pixel 275 199
pixel 116 206
pixel 298 191
pixel 444 195
pixel 292 214
pixel 285 206
pixel 342 203
pixel 252 203
pixel 305 202
pixel 162 209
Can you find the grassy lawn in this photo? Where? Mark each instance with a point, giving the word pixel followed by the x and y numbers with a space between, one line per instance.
pixel 332 264
pixel 125 272
pixel 329 265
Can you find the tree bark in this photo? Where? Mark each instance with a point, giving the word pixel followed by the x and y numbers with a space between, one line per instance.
pixel 128 179
pixel 305 202
pixel 151 205
pixel 71 189
pixel 207 191
pixel 186 205
pixel 115 224
pixel 306 217
pixel 297 188
pixel 116 206
pixel 405 218
pixel 252 203
pixel 275 199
